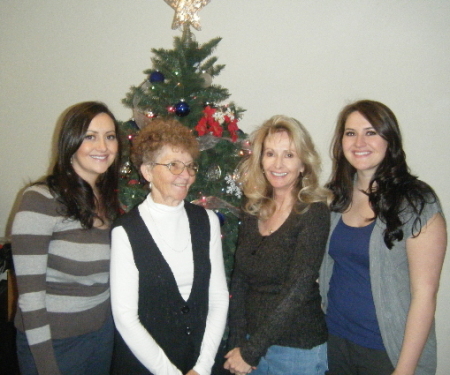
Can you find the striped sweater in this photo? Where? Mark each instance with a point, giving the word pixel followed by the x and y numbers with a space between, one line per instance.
pixel 62 275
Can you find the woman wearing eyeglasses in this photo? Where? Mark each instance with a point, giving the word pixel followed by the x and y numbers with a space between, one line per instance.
pixel 168 286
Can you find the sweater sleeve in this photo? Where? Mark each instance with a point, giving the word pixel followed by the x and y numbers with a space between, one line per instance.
pixel 218 302
pixel 303 274
pixel 238 288
pixel 124 301
pixel 31 234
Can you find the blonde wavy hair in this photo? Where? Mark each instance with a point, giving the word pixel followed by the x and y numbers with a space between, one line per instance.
pixel 255 186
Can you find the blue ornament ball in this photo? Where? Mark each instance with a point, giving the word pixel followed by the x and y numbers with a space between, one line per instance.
pixel 221 217
pixel 156 77
pixel 182 109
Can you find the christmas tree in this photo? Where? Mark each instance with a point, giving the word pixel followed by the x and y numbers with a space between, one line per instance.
pixel 180 84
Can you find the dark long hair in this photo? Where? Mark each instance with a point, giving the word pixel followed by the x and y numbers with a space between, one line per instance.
pixel 392 188
pixel 73 192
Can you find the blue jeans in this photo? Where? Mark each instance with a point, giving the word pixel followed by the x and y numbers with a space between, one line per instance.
pixel 283 360
pixel 88 354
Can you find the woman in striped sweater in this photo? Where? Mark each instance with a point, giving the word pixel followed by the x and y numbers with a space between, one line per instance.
pixel 61 251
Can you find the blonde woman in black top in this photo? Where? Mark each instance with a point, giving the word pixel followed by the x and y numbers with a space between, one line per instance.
pixel 276 322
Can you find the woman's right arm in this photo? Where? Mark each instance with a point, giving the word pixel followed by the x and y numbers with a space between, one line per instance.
pixel 238 288
pixel 31 234
pixel 237 321
pixel 124 300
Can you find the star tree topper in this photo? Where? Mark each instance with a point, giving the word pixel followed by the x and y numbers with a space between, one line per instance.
pixel 186 12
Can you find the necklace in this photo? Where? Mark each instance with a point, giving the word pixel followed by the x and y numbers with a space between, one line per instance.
pixel 273 223
pixel 162 237
pixel 268 229
pixel 272 230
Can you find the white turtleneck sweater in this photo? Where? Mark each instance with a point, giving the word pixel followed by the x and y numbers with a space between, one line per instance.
pixel 169 227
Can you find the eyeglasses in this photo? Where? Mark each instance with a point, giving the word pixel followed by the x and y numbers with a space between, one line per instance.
pixel 177 167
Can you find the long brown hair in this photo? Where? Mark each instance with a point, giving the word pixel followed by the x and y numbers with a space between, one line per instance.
pixel 392 185
pixel 73 192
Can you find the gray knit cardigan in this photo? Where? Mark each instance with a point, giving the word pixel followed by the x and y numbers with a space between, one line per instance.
pixel 389 275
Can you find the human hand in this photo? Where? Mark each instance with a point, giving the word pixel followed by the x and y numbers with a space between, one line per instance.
pixel 236 364
pixel 192 372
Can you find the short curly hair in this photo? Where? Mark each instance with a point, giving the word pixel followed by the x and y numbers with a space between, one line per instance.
pixel 158 133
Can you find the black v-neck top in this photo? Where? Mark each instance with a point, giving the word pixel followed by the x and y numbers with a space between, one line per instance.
pixel 275 297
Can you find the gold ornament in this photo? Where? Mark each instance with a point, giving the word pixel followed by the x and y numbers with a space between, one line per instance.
pixel 186 12
pixel 125 170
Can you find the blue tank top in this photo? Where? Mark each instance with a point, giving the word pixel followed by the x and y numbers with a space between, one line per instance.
pixel 351 310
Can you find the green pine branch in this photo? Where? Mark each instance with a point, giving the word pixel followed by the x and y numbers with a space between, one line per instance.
pixel 183 67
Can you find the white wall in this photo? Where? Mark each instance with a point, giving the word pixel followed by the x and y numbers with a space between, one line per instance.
pixel 302 58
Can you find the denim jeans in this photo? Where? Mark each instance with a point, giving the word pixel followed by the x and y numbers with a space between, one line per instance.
pixel 283 360
pixel 88 354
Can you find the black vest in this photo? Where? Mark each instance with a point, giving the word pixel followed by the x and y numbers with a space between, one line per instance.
pixel 176 325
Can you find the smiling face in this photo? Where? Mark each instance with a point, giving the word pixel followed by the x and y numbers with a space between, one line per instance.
pixel 363 147
pixel 98 149
pixel 280 162
pixel 167 188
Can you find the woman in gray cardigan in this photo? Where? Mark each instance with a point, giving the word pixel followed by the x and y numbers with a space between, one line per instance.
pixel 380 275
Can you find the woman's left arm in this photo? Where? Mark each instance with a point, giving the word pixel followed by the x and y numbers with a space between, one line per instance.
pixel 425 257
pixel 218 302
